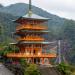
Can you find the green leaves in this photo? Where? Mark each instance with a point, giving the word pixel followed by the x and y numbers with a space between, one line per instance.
pixel 66 69
pixel 32 70
pixel 68 33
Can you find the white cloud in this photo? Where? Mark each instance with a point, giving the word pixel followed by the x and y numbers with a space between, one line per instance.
pixel 63 8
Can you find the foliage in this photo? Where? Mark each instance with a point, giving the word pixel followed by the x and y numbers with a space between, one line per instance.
pixel 68 34
pixel 23 62
pixel 66 69
pixel 32 70
pixel 8 49
pixel 0 29
pixel 23 68
pixel 68 30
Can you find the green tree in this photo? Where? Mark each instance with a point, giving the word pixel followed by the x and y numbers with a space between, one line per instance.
pixel 32 70
pixel 68 30
pixel 68 33
pixel 65 69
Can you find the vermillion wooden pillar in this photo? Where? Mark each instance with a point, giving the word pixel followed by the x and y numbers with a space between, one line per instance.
pixel 33 60
pixel 42 60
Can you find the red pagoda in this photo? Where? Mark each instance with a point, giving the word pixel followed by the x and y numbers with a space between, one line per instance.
pixel 30 40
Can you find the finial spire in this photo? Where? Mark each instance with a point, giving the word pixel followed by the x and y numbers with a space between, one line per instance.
pixel 30 8
pixel 29 5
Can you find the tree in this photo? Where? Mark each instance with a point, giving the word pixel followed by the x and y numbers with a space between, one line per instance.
pixel 32 70
pixel 69 30
pixel 68 33
pixel 65 69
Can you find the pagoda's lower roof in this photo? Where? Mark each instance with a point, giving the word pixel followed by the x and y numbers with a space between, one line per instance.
pixel 23 32
pixel 24 42
pixel 28 31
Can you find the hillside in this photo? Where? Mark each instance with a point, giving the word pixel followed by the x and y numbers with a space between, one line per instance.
pixel 1 6
pixel 7 26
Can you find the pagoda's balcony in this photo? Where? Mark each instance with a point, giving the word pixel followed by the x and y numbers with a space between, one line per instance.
pixel 31 38
pixel 31 48
pixel 25 55
pixel 31 27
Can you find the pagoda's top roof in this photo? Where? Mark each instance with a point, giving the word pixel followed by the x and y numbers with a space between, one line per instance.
pixel 31 17
pixel 34 16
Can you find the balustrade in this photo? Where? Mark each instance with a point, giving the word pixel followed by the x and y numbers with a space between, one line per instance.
pixel 30 55
pixel 30 27
pixel 31 38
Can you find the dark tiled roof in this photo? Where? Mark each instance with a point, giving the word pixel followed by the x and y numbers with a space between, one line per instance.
pixel 34 16
pixel 24 42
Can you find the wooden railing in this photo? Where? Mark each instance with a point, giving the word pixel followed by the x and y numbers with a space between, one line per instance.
pixel 31 38
pixel 30 55
pixel 31 48
pixel 33 27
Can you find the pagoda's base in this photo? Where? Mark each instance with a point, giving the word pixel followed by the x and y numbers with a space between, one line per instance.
pixel 38 60
pixel 34 59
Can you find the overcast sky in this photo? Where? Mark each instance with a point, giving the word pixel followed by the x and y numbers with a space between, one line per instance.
pixel 62 8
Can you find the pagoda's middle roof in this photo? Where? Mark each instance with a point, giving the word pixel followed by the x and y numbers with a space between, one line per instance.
pixel 24 42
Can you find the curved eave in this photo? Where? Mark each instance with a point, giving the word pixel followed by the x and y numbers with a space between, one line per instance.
pixel 32 17
pixel 24 32
pixel 34 42
pixel 22 42
pixel 16 20
pixel 13 43
pixel 37 31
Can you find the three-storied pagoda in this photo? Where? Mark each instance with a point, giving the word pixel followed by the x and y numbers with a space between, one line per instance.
pixel 30 40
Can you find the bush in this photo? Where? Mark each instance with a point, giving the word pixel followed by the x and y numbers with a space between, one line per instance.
pixel 32 70
pixel 64 68
pixel 23 63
